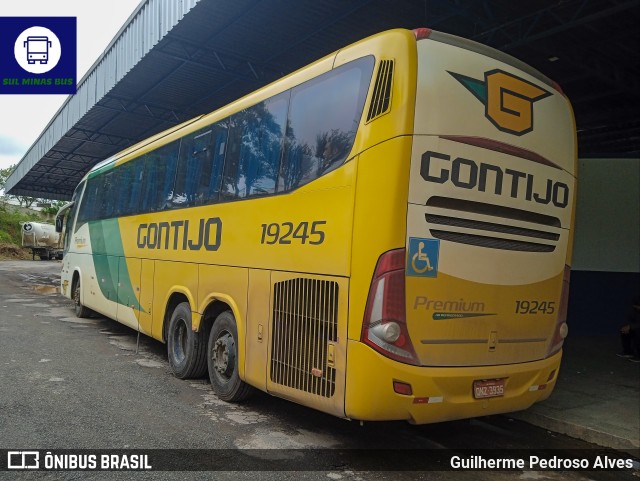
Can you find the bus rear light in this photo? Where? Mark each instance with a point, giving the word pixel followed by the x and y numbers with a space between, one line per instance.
pixel 402 388
pixel 422 33
pixel 388 332
pixel 538 387
pixel 385 327
pixel 562 329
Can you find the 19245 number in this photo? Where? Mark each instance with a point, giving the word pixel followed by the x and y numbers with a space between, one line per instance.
pixel 287 232
pixel 535 307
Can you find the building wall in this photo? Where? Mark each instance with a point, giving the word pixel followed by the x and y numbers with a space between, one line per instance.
pixel 606 257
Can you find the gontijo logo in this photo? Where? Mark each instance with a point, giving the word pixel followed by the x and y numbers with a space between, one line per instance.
pixel 508 99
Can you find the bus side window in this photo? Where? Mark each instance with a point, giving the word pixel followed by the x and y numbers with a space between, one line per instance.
pixel 230 188
pixel 122 188
pixel 72 212
pixel 169 159
pixel 108 191
pixel 129 180
pixel 89 210
pixel 137 173
pixel 150 185
pixel 255 149
pixel 212 163
pixel 323 119
pixel 262 170
pixel 193 155
pixel 211 185
pixel 159 175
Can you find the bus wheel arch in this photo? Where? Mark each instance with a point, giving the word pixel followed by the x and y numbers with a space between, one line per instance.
pixel 222 360
pixel 186 348
pixel 76 294
pixel 210 314
pixel 173 301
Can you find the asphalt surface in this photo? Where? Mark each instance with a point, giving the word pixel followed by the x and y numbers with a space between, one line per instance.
pixel 69 383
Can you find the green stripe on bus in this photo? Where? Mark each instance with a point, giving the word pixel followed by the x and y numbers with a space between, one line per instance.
pixel 108 254
pixel 101 170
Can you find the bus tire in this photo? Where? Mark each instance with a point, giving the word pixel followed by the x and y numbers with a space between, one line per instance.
pixel 223 360
pixel 186 349
pixel 81 311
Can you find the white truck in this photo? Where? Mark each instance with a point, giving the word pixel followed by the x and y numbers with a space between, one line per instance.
pixel 42 239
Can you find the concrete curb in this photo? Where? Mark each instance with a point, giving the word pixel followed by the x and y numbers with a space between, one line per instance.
pixel 585 433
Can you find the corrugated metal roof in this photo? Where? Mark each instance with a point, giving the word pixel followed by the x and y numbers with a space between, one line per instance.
pixel 151 21
pixel 173 60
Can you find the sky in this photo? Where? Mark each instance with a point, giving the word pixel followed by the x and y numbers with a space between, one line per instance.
pixel 24 117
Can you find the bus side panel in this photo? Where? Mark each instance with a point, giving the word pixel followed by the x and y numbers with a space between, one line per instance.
pixel 90 294
pixel 102 241
pixel 128 291
pixel 145 299
pixel 257 337
pixel 228 285
pixel 308 340
pixel 102 284
pixel 379 220
pixel 170 278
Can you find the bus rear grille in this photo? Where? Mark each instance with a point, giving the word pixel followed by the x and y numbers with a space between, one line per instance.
pixel 381 98
pixel 305 321
pixel 491 242
pixel 539 236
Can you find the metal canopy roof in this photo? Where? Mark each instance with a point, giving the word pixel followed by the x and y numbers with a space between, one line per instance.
pixel 174 60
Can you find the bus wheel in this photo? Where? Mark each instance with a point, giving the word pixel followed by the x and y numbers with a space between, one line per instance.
pixel 223 360
pixel 187 350
pixel 81 311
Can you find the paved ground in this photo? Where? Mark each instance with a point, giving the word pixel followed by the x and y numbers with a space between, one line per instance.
pixel 69 383
pixel 597 398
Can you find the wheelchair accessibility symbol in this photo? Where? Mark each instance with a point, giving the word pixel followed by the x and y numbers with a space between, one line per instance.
pixel 422 260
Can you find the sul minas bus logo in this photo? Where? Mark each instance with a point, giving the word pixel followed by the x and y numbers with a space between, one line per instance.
pixel 508 99
pixel 37 55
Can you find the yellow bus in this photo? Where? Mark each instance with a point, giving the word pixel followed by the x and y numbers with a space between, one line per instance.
pixel 384 234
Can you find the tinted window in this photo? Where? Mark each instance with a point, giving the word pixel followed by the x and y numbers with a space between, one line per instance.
pixel 193 156
pixel 72 213
pixel 107 200
pixel 323 119
pixel 128 187
pixel 160 171
pixel 98 201
pixel 245 155
pixel 135 193
pixel 89 201
pixel 214 146
pixel 255 149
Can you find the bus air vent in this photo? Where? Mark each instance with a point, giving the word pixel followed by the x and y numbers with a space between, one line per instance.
pixel 305 322
pixel 381 98
pixel 491 242
pixel 492 226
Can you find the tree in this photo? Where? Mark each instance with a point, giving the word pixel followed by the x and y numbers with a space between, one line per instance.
pixel 53 208
pixel 23 200
pixel 4 175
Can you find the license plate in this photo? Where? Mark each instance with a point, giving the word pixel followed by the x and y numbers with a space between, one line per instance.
pixel 488 388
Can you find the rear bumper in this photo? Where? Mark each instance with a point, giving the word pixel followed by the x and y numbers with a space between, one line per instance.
pixel 370 395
